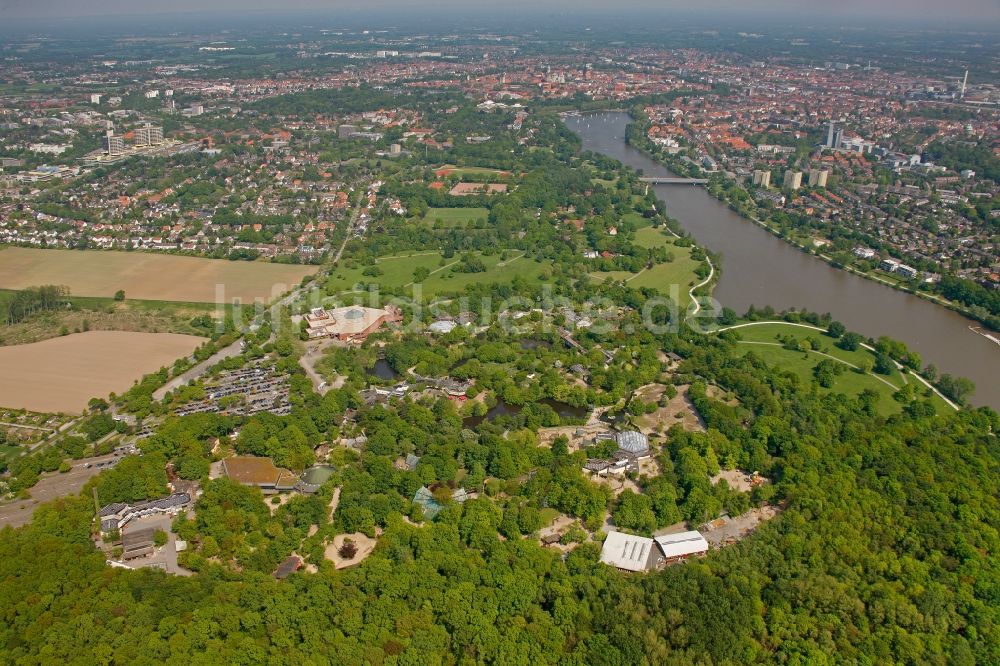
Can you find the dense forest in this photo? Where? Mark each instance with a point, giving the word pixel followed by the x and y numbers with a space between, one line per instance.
pixel 885 553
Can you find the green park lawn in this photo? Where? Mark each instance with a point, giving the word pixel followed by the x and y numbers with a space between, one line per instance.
pixel 397 271
pixel 548 515
pixel 640 223
pixel 769 333
pixel 680 271
pixel 761 340
pixel 455 217
pixel 647 236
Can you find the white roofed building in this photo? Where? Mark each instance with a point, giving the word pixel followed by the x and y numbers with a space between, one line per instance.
pixel 442 326
pixel 353 323
pixel 681 545
pixel 635 553
pixel 630 552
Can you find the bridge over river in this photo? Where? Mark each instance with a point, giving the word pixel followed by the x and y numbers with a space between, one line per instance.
pixel 675 181
pixel 761 269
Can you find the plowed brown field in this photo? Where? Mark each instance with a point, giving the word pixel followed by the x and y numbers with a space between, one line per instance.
pixel 62 374
pixel 156 277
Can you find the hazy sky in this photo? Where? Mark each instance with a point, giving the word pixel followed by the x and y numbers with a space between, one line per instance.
pixel 984 12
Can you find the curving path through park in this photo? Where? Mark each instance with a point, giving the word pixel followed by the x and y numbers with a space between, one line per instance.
pixel 899 365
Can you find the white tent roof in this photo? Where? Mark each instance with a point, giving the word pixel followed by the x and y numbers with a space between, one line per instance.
pixel 629 552
pixel 682 544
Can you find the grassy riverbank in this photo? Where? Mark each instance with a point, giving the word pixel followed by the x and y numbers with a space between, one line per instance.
pixel 799 349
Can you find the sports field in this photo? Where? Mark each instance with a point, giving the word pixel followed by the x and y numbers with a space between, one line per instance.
pixel 397 271
pixel 455 217
pixel 452 170
pixel 62 374
pixel 142 275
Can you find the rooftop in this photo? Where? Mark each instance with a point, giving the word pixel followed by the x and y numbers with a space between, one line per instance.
pixel 629 552
pixel 288 567
pixel 682 544
pixel 346 321
pixel 137 539
pixel 632 442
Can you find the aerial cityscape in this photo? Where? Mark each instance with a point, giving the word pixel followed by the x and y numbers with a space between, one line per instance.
pixel 460 334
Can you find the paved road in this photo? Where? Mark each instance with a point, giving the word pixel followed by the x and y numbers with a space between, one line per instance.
pixel 26 427
pixel 224 353
pixel 63 428
pixel 314 352
pixel 198 370
pixel 355 212
pixel 51 486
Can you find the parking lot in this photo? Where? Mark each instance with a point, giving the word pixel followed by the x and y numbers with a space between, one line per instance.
pixel 53 485
pixel 259 387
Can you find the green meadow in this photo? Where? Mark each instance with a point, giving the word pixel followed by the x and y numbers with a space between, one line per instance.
pixel 445 274
pixel 761 339
pixel 455 217
pixel 680 271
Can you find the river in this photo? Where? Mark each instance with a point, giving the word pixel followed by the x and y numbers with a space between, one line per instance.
pixel 760 269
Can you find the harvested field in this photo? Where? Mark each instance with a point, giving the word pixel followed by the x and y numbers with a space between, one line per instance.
pixel 142 275
pixel 62 374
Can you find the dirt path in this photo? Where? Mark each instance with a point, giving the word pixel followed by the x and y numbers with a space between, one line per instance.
pixel 26 427
pixel 308 363
pixel 334 502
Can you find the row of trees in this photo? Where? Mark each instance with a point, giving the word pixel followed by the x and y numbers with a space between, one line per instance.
pixel 23 303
